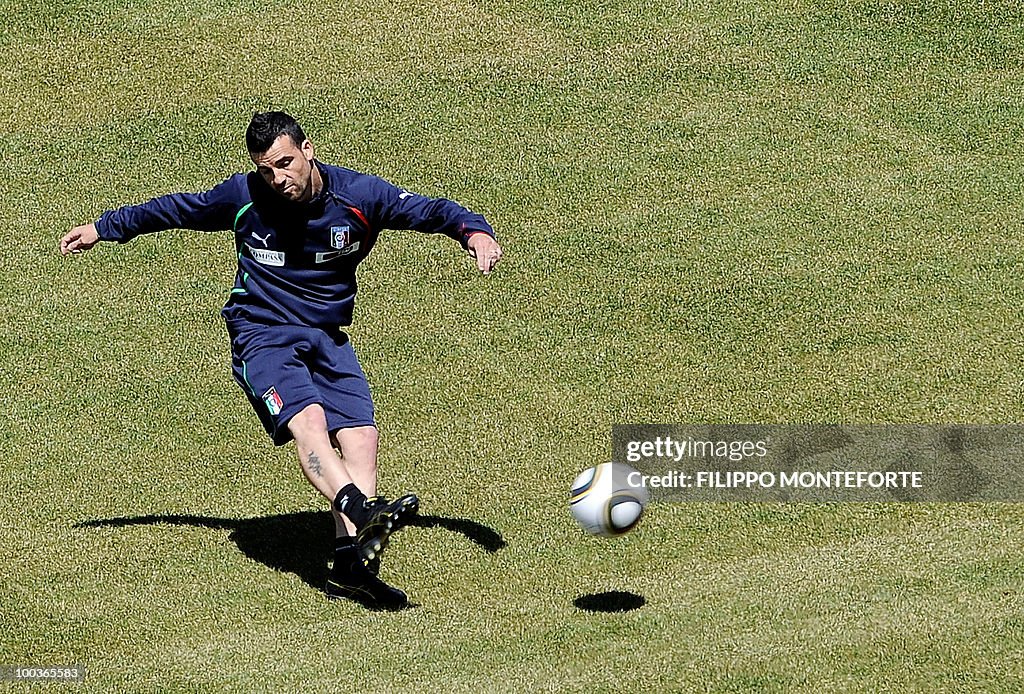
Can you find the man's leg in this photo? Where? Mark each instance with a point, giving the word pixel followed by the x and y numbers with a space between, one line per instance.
pixel 338 477
pixel 322 465
pixel 271 364
pixel 328 472
pixel 357 447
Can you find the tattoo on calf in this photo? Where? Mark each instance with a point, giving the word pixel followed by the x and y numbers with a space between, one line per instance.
pixel 313 463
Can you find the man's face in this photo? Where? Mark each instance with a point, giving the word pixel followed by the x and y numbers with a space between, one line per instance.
pixel 287 168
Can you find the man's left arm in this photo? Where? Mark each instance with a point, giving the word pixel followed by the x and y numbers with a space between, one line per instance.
pixel 483 248
pixel 401 209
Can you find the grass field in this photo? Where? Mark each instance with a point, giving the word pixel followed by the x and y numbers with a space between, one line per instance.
pixel 711 211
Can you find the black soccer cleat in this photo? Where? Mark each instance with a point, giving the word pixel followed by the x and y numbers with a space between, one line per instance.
pixel 355 582
pixel 386 517
pixel 374 564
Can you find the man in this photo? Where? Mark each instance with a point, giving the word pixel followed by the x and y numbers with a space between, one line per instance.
pixel 301 227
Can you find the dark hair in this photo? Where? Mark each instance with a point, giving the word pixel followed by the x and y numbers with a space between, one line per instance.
pixel 266 127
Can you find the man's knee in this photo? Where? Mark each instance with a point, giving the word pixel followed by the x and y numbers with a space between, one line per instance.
pixel 357 444
pixel 310 422
pixel 365 437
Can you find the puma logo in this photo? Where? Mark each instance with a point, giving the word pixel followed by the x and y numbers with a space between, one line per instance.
pixel 262 240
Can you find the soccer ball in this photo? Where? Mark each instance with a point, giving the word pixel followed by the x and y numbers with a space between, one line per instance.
pixel 603 502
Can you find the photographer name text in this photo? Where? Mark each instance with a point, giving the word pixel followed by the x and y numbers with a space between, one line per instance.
pixel 779 479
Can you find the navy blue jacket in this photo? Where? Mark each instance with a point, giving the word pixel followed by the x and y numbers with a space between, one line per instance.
pixel 296 261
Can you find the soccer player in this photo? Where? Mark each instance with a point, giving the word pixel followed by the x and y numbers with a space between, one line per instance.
pixel 301 227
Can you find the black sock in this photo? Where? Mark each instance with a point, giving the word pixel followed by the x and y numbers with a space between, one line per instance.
pixel 352 502
pixel 345 546
pixel 346 556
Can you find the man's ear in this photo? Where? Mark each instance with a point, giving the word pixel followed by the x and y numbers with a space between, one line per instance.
pixel 307 150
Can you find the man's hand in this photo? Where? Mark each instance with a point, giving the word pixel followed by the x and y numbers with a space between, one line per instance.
pixel 79 239
pixel 485 250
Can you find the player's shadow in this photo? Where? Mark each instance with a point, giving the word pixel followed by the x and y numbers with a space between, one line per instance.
pixel 298 543
pixel 610 601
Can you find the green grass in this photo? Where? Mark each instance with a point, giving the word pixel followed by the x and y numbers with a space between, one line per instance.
pixel 712 211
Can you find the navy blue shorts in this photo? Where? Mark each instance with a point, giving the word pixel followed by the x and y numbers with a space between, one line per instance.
pixel 285 368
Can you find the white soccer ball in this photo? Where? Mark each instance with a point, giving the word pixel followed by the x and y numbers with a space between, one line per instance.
pixel 603 502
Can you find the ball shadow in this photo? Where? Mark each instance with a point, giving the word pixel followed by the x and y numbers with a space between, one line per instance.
pixel 610 601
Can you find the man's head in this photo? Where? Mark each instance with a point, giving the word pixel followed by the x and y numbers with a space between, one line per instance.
pixel 282 155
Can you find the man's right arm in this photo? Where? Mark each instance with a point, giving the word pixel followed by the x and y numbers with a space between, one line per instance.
pixel 79 239
pixel 213 210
